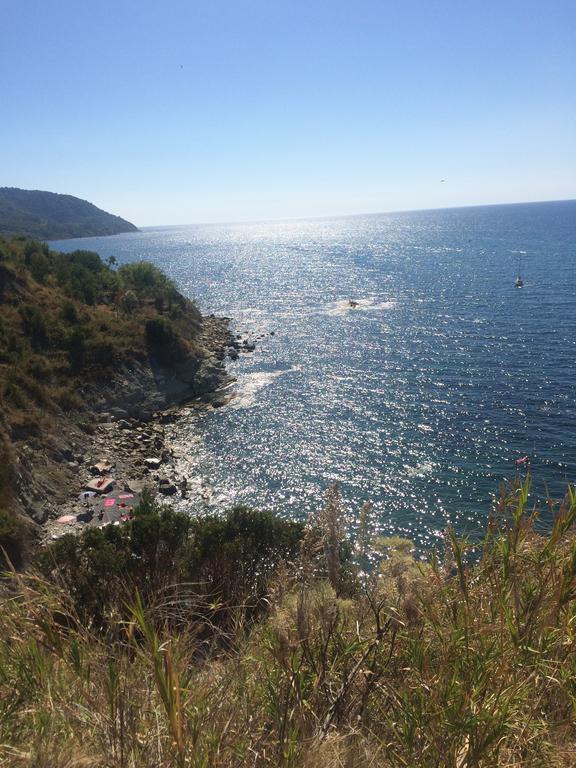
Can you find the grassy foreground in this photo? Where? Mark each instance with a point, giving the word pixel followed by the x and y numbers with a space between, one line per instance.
pixel 247 641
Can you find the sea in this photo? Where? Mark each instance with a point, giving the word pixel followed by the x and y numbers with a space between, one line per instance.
pixel 420 399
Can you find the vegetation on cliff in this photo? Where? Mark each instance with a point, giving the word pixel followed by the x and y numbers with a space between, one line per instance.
pixel 50 216
pixel 67 322
pixel 248 641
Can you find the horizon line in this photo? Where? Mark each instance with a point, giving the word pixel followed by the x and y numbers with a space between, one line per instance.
pixel 351 215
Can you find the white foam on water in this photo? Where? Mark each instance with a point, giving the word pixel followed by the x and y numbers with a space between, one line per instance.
pixel 343 307
pixel 423 469
pixel 250 384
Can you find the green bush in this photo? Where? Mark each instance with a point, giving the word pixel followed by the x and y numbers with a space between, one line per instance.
pixel 78 281
pixel 467 660
pixel 76 345
pixel 10 343
pixel 88 260
pixel 144 277
pixel 164 341
pixel 235 555
pixel 69 313
pixel 11 535
pixel 40 266
pixel 229 558
pixel 102 352
pixel 33 388
pixel 34 325
pixel 39 369
pixel 14 395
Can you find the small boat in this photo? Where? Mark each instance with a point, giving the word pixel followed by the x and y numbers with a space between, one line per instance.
pixel 519 283
pixel 352 304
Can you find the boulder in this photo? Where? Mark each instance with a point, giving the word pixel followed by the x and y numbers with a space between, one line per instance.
pixel 119 413
pixel 166 487
pixel 211 376
pixel 169 417
pixel 135 486
pixel 188 371
pixel 102 467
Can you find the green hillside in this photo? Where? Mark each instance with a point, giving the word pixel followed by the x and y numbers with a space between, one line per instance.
pixel 50 216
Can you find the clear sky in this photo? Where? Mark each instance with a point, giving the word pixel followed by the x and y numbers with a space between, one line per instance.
pixel 184 111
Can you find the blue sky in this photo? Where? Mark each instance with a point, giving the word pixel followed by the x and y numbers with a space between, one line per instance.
pixel 184 111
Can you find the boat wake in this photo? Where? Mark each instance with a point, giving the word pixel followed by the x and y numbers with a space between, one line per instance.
pixel 344 307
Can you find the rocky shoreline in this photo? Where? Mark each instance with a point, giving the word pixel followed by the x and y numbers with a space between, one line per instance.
pixel 139 457
pixel 126 428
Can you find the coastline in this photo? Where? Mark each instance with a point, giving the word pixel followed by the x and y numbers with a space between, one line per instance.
pixel 126 432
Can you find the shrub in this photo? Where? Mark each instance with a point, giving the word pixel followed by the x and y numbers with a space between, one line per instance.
pixel 40 266
pixel 87 426
pixel 164 341
pixel 34 325
pixel 10 343
pixel 144 277
pixel 471 666
pixel 24 425
pixel 11 539
pixel 11 533
pixel 14 395
pixel 69 313
pixel 78 281
pixel 76 345
pixel 68 399
pixel 88 260
pixel 39 368
pixel 234 556
pixel 229 558
pixel 34 389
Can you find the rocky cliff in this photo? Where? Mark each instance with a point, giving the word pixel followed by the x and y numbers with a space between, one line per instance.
pixel 81 344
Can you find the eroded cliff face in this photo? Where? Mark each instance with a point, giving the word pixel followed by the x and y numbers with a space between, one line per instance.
pixel 139 388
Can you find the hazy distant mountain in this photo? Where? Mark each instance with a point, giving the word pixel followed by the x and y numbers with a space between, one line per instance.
pixel 49 216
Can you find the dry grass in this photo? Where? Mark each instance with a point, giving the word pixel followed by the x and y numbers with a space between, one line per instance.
pixel 454 665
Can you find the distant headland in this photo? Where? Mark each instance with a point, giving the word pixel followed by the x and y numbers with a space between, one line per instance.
pixel 51 216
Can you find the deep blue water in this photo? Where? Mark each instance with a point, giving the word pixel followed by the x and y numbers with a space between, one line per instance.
pixel 422 397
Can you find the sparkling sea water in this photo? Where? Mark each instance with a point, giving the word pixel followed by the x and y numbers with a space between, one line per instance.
pixel 419 399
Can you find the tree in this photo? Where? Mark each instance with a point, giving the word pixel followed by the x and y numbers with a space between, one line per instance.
pixel 129 302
